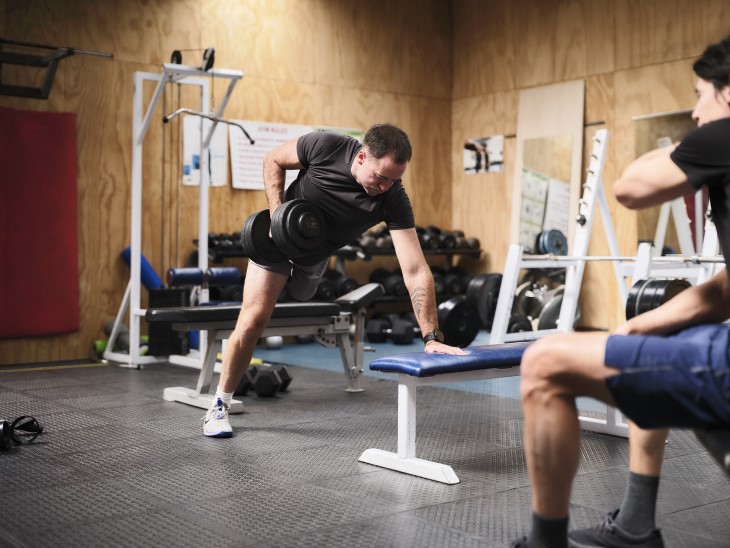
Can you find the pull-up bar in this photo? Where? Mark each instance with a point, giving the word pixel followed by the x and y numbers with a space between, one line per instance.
pixel 49 62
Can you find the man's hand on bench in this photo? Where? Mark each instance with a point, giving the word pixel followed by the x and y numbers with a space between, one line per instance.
pixel 435 347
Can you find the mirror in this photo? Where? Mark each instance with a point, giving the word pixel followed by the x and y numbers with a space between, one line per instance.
pixel 545 183
pixel 548 157
pixel 653 131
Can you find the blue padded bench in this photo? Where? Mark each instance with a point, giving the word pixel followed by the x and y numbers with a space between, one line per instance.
pixel 420 369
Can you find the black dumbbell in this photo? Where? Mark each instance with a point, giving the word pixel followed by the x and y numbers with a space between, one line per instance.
pixel 391 326
pixel 297 232
pixel 265 380
pixel 392 282
pixel 343 284
pixel 455 281
pixel 326 290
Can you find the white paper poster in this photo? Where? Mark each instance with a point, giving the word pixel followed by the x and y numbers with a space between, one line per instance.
pixel 247 160
pixel 217 152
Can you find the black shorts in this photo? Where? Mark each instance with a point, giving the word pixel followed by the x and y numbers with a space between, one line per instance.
pixel 304 279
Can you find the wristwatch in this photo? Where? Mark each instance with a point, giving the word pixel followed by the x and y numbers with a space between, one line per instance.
pixel 434 335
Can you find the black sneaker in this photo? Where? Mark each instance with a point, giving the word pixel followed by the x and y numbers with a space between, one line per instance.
pixel 519 543
pixel 608 535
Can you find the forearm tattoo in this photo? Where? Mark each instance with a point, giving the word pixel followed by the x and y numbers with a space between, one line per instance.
pixel 418 299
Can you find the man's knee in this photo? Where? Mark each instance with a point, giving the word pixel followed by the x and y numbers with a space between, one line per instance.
pixel 542 365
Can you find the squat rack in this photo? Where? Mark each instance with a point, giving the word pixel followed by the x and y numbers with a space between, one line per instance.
pixel 184 75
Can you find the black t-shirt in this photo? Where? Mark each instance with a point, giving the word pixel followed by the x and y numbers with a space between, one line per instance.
pixel 704 156
pixel 327 181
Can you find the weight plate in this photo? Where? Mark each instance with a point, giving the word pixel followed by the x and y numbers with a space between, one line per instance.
pixel 651 293
pixel 279 233
pixel 379 275
pixel 5 438
pixel 305 226
pixel 298 230
pixel 550 313
pixel 519 323
pixel 256 242
pixel 482 293
pixel 551 242
pixel 458 322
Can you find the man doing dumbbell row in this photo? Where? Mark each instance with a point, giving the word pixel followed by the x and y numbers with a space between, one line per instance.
pixel 356 187
pixel 668 367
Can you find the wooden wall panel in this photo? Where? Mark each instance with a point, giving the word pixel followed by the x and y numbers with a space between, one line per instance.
pixel 657 31
pixel 264 38
pixel 560 42
pixel 399 47
pixel 506 45
pixel 483 58
pixel 479 201
pixel 443 71
pixel 137 31
pixel 382 61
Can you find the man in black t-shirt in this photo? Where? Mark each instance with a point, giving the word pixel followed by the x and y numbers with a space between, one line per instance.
pixel 668 367
pixel 356 187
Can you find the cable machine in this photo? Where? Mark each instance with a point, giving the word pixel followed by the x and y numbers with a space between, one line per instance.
pixel 183 75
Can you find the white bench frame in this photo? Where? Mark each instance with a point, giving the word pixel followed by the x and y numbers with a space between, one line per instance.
pixel 405 460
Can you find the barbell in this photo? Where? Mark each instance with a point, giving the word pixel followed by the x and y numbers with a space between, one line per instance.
pixel 296 232
pixel 695 259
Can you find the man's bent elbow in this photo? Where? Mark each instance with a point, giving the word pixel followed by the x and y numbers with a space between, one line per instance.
pixel 625 193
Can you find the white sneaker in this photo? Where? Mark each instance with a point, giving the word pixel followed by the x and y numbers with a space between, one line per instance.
pixel 215 423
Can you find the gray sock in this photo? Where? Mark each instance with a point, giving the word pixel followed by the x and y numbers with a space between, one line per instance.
pixel 548 533
pixel 638 508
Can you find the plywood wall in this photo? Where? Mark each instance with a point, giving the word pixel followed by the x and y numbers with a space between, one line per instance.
pixel 635 56
pixel 316 62
pixel 444 71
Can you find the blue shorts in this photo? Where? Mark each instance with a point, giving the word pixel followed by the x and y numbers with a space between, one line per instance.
pixel 681 380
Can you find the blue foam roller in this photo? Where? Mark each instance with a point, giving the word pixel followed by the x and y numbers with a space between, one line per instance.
pixel 184 276
pixel 225 275
pixel 150 279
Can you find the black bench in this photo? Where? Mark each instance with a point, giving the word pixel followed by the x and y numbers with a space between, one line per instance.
pixel 329 322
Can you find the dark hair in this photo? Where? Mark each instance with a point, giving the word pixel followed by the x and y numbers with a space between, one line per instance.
pixel 383 139
pixel 714 64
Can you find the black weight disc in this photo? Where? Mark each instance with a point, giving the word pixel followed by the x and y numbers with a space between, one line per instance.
pixel 458 322
pixel 256 242
pixel 279 232
pixel 25 429
pixel 379 275
pixel 305 226
pixel 519 323
pixel 482 293
pixel 651 293
pixel 550 313
pixel 5 436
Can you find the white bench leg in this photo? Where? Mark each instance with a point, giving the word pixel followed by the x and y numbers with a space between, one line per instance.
pixel 405 459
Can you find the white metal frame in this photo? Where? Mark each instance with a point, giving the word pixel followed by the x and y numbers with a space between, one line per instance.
pixel 593 193
pixel 405 460
pixel 171 73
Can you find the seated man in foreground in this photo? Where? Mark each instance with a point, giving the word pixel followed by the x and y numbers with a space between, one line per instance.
pixel 666 368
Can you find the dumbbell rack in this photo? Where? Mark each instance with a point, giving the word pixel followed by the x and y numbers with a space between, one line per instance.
pixel 182 75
